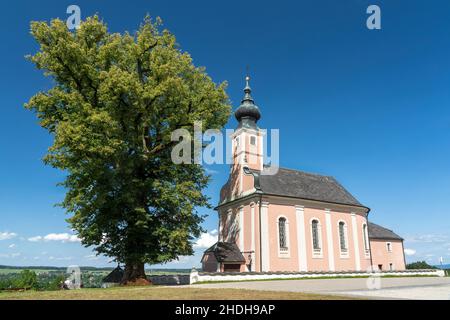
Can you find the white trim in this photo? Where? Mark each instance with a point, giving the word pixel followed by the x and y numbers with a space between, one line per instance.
pixel 343 254
pixel 301 239
pixel 196 276
pixel 366 241
pixel 356 242
pixel 265 256
pixel 329 239
pixel 241 179
pixel 220 237
pixel 241 228
pixel 253 240
pixel 316 254
pixel 287 253
pixel 261 151
pixel 227 224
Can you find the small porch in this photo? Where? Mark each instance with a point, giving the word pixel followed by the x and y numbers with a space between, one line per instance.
pixel 223 257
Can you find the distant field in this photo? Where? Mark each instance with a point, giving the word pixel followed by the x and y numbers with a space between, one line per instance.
pixel 163 293
pixel 12 270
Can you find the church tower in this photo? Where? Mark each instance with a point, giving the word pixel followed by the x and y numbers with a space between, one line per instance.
pixel 247 144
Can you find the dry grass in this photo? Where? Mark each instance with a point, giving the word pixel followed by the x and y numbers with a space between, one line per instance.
pixel 163 293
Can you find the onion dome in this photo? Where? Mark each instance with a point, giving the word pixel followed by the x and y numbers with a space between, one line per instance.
pixel 248 113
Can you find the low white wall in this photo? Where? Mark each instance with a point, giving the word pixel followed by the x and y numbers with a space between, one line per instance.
pixel 196 276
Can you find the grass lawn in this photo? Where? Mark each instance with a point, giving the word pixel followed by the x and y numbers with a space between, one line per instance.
pixel 163 293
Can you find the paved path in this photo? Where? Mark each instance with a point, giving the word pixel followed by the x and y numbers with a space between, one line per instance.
pixel 390 288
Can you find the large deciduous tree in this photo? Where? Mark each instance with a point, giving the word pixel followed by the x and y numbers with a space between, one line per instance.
pixel 115 101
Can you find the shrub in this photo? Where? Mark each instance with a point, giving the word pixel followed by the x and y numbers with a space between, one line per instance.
pixel 419 265
pixel 26 280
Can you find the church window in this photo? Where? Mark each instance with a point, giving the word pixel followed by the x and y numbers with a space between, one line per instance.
pixel 253 140
pixel 342 236
pixel 282 234
pixel 315 235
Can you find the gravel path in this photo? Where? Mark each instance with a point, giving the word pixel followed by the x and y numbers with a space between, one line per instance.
pixel 390 288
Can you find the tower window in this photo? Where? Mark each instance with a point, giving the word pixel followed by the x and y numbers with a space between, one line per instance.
pixel 253 140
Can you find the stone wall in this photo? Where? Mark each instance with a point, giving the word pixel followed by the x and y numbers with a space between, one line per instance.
pixel 172 279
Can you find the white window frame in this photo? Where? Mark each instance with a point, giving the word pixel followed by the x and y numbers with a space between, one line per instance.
pixel 283 253
pixel 253 137
pixel 346 253
pixel 316 253
pixel 389 246
pixel 366 240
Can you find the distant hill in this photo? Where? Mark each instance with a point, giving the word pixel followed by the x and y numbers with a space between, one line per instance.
pixel 444 266
pixel 88 268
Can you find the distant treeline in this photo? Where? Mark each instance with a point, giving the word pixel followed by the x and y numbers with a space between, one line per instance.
pixel 86 268
pixel 425 265
pixel 54 268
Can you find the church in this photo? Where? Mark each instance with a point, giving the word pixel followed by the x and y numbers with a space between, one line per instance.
pixel 291 221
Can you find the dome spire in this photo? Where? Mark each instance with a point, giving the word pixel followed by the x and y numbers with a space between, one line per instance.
pixel 247 90
pixel 248 113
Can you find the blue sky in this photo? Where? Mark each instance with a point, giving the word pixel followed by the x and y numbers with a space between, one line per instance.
pixel 368 107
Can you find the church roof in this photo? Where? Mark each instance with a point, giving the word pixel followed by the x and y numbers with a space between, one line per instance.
pixel 379 232
pixel 226 252
pixel 309 186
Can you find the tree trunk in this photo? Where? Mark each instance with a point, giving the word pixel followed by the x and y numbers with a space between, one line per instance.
pixel 134 274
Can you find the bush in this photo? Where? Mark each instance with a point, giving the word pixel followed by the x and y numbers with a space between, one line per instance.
pixel 6 284
pixel 27 280
pixel 419 265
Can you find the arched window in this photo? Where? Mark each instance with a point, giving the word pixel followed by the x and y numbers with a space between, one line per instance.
pixel 342 236
pixel 366 241
pixel 282 234
pixel 315 235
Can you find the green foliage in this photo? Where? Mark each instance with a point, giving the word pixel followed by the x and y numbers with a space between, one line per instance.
pixel 48 280
pixel 26 280
pixel 115 101
pixel 419 265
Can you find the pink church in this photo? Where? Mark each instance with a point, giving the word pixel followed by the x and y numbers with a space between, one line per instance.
pixel 291 221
